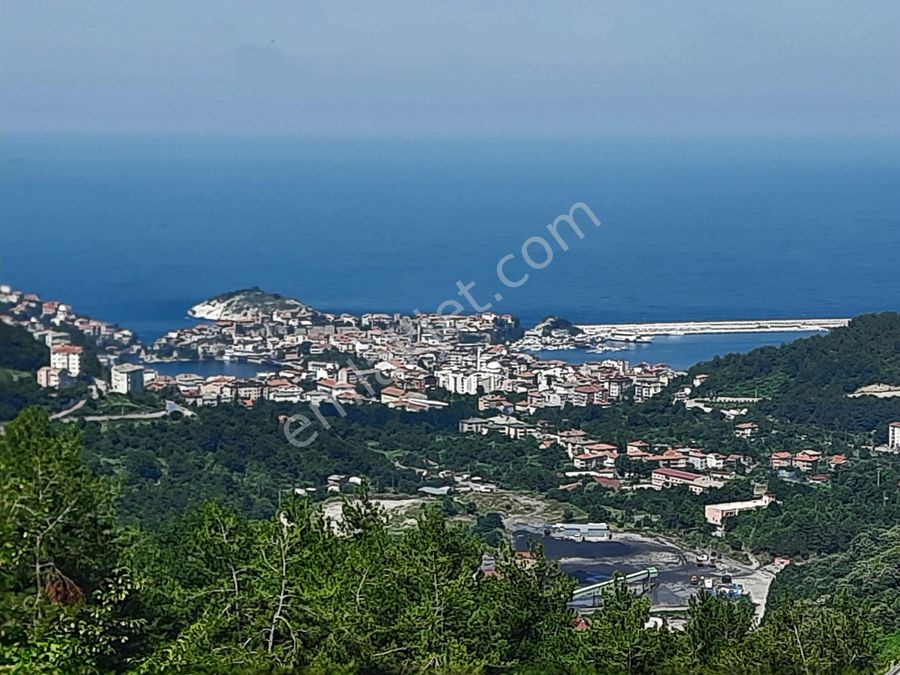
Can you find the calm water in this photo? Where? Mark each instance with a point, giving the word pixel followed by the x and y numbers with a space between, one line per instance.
pixel 137 231
pixel 210 368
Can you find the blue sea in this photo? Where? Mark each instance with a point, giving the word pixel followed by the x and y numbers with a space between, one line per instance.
pixel 137 230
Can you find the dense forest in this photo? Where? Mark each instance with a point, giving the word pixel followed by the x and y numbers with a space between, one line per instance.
pixel 211 591
pixel 808 381
pixel 20 357
pixel 868 571
pixel 20 351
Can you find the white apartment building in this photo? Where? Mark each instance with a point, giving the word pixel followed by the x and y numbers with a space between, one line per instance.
pixel 894 435
pixel 67 357
pixel 717 513
pixel 457 382
pixel 127 378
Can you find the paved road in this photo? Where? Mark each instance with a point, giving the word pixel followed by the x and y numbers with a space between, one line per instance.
pixel 68 411
pixel 171 407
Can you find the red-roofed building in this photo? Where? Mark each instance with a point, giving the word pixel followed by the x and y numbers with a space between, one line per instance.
pixel 392 394
pixel 746 429
pixel 836 461
pixel 666 478
pixel 588 460
pixel 781 460
pixel 806 462
pixel 609 483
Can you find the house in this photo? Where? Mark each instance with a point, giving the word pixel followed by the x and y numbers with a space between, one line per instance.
pixel 715 461
pixel 781 460
pixel 704 483
pixel 806 461
pixel 836 461
pixel 248 391
pixel 495 402
pixel 588 460
pixel 67 357
pixel 54 378
pixel 392 395
pixel 510 426
pixel 746 429
pixel 672 458
pixel 645 389
pixel 637 448
pixel 472 425
pixel 332 388
pixel 697 459
pixel 127 378
pixel 613 484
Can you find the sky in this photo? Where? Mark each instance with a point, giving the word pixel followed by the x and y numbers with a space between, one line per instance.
pixel 410 67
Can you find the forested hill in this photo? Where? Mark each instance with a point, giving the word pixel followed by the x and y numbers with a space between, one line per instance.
pixel 20 357
pixel 20 351
pixel 809 380
pixel 212 592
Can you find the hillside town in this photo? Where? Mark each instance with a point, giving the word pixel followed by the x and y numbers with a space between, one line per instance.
pixel 409 363
pixel 315 357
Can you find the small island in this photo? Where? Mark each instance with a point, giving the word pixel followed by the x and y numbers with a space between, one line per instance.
pixel 245 305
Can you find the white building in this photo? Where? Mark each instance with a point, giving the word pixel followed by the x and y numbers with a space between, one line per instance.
pixel 457 381
pixel 53 378
pixel 67 357
pixel 894 435
pixel 53 338
pixel 127 378
pixel 717 513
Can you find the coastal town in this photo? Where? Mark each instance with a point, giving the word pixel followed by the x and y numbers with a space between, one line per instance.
pixel 303 358
pixel 310 357
pixel 409 363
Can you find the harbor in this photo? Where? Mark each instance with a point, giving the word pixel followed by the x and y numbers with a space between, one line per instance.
pixel 639 332
pixel 678 351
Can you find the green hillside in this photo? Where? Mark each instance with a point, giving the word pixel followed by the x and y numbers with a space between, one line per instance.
pixel 809 381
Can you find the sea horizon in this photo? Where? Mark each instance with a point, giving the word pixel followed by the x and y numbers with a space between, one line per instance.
pixel 136 231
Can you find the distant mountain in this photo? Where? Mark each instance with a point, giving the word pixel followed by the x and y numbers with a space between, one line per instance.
pixel 248 304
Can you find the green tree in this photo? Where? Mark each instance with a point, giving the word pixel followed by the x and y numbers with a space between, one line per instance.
pixel 63 598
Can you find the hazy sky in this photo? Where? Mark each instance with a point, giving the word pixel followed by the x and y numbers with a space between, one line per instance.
pixel 487 67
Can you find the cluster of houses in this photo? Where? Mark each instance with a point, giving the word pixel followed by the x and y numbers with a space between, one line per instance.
pixel 55 323
pixel 533 384
pixel 592 459
pixel 419 354
pixel 412 356
pixel 810 462
pixel 596 460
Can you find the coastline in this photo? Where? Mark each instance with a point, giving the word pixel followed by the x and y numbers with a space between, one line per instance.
pixel 716 327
